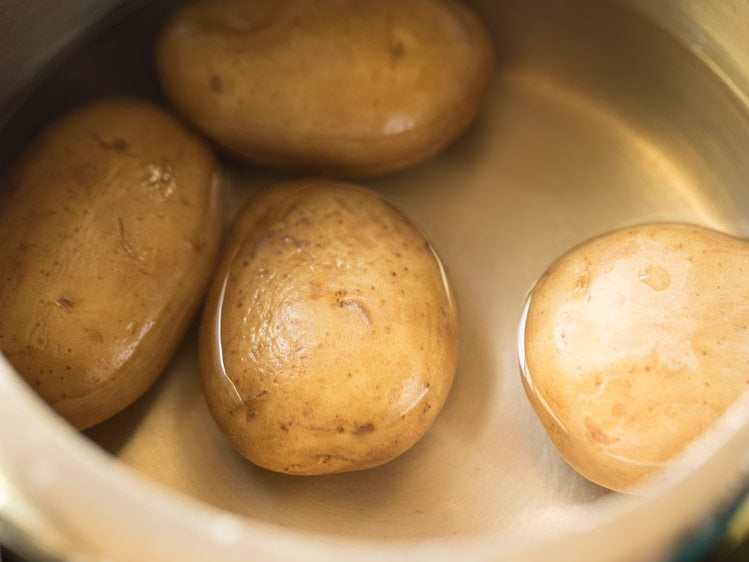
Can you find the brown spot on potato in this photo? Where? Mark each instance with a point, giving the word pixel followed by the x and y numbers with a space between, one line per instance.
pixel 95 335
pixel 365 428
pixel 118 144
pixel 583 281
pixel 65 304
pixel 597 434
pixel 397 50
pixel 217 84
pixel 358 306
pixel 128 248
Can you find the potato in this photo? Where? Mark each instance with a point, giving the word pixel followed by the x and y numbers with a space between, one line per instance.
pixel 341 86
pixel 635 343
pixel 110 224
pixel 329 339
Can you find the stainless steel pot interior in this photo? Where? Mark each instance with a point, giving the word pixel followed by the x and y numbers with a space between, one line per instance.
pixel 602 114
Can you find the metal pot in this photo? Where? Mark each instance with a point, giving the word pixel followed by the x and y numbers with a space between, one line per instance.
pixel 603 113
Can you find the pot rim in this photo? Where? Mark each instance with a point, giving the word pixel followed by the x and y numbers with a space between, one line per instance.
pixel 52 500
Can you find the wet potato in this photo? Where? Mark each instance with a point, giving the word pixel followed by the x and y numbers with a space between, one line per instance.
pixel 345 87
pixel 110 222
pixel 329 338
pixel 635 344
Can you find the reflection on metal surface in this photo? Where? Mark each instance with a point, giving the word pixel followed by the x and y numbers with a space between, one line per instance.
pixel 652 155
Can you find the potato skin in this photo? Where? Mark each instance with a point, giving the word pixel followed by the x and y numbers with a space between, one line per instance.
pixel 336 86
pixel 110 224
pixel 635 343
pixel 329 339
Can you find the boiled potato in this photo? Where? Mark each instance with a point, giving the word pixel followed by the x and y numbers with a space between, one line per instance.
pixel 342 86
pixel 635 343
pixel 329 339
pixel 110 223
